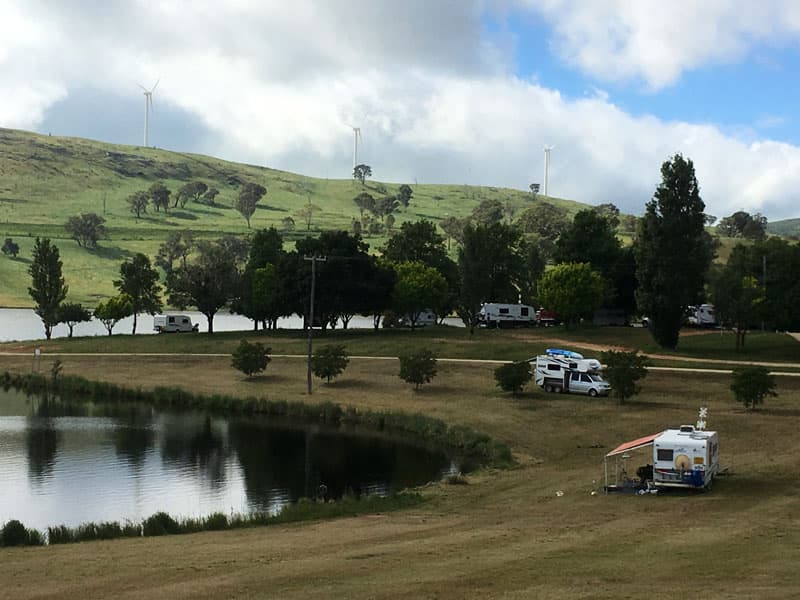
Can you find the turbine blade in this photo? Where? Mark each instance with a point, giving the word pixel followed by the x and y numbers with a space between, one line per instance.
pixel 156 85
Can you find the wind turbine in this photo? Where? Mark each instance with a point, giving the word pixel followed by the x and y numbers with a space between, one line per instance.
pixel 356 137
pixel 148 106
pixel 547 150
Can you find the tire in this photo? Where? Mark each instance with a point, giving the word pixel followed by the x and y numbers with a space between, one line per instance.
pixel 593 393
pixel 548 388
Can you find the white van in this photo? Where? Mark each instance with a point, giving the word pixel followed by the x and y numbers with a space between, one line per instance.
pixel 173 324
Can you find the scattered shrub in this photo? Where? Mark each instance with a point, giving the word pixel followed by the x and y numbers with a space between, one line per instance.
pixel 418 368
pixel 513 377
pixel 216 521
pixel 751 385
pixel 329 361
pixel 160 524
pixel 250 358
pixel 14 534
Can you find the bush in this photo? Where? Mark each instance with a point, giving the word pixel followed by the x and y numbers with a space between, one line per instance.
pixel 329 361
pixel 216 521
pixel 751 385
pixel 513 377
pixel 14 534
pixel 250 358
pixel 622 371
pixel 418 368
pixel 160 524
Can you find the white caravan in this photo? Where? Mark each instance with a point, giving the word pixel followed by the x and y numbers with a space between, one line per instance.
pixel 687 457
pixel 173 324
pixel 566 371
pixel 424 318
pixel 702 316
pixel 495 314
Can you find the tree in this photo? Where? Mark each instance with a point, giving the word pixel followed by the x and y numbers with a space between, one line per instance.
pixel 546 221
pixel 361 172
pixel 609 212
pixel 751 385
pixel 208 282
pixel 139 281
pixel 418 287
pixel 513 377
pixel 159 195
pixel 673 252
pixel 385 206
pixel 737 296
pixel 590 239
pixel 572 290
pixel 534 188
pixel 306 214
pixel 364 201
pixel 177 246
pixel 210 196
pixel 454 229
pixel 138 202
pixel 249 196
pixel 329 361
pixel 10 247
pixel 491 264
pixel 743 224
pixel 418 367
pixel 404 194
pixel 71 313
pixel 287 223
pixel 86 229
pixel 190 191
pixel 250 358
pixel 622 371
pixel 48 288
pixel 259 294
pixel 113 310
pixel 488 212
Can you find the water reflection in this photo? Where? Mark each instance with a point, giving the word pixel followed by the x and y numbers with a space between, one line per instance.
pixel 72 463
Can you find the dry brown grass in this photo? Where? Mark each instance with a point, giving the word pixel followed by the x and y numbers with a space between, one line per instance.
pixel 506 535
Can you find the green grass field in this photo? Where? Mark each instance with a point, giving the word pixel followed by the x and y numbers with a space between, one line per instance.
pixel 45 180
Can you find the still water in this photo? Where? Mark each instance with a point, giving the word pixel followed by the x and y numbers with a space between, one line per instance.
pixel 19 324
pixel 70 463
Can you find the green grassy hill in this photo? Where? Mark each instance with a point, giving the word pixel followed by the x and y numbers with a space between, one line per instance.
pixel 45 180
pixel 785 228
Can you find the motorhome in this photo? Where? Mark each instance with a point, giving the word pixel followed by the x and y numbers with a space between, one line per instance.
pixel 496 314
pixel 686 457
pixel 173 324
pixel 424 318
pixel 566 371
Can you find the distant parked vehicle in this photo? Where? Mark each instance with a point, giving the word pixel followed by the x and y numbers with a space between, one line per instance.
pixel 496 314
pixel 173 324
pixel 426 317
pixel 701 316
pixel 567 371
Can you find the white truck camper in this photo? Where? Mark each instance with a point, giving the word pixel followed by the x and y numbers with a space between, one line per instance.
pixel 496 314
pixel 686 457
pixel 566 371
pixel 173 324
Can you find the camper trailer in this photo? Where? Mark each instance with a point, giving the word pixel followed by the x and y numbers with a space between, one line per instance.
pixel 173 324
pixel 701 316
pixel 495 314
pixel 566 371
pixel 424 318
pixel 685 457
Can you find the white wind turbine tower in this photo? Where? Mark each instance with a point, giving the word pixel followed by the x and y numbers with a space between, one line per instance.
pixel 148 106
pixel 356 137
pixel 547 150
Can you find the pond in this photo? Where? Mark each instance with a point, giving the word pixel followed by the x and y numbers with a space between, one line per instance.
pixel 72 463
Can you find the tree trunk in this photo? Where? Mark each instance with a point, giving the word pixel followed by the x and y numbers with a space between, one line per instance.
pixel 133 331
pixel 70 329
pixel 48 330
pixel 210 318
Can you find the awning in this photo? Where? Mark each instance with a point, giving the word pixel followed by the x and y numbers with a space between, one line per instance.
pixel 634 444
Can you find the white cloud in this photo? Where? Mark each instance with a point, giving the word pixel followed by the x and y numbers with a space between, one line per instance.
pixel 282 86
pixel 656 41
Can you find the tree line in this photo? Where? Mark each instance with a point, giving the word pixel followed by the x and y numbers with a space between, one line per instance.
pixel 501 257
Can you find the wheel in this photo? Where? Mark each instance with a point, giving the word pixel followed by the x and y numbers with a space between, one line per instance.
pixel 548 388
pixel 593 393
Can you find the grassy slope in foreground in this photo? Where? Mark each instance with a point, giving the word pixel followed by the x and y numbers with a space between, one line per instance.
pixel 45 180
pixel 507 534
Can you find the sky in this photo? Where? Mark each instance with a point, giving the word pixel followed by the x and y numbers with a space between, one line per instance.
pixel 444 91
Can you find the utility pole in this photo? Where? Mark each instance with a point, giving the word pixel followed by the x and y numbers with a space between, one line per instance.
pixel 314 260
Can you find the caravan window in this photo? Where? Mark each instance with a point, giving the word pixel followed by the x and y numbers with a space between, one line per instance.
pixel 553 367
pixel 503 311
pixel 171 319
pixel 665 455
pixel 523 311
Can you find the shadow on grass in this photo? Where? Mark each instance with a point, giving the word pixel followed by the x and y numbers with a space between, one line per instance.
pixel 267 378
pixel 182 214
pixel 111 253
